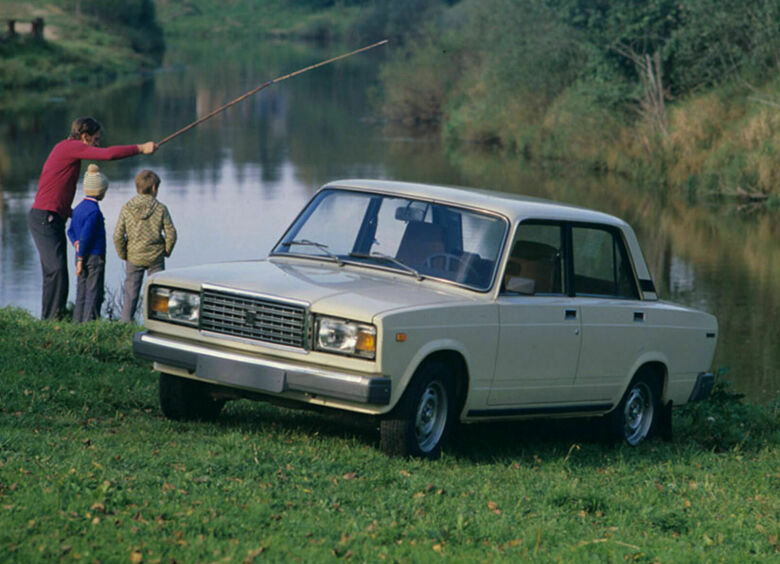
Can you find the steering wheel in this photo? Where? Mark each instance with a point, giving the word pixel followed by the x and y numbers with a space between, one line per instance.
pixel 451 260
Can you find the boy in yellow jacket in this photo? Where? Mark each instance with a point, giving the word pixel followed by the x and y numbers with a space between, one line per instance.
pixel 144 237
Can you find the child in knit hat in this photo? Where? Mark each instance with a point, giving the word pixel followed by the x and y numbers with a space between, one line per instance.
pixel 87 232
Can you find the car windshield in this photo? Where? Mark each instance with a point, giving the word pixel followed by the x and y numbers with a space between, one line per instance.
pixel 415 237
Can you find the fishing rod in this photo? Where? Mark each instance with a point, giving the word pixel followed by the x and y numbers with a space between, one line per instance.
pixel 266 85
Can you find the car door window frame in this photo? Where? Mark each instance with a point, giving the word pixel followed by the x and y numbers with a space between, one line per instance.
pixel 563 250
pixel 622 248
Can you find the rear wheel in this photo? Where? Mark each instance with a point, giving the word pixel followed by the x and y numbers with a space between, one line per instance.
pixel 183 399
pixel 634 418
pixel 423 417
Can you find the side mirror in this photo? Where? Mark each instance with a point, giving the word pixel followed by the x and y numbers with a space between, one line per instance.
pixel 520 285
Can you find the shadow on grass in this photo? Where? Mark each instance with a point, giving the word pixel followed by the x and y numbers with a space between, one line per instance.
pixel 258 417
pixel 480 442
pixel 489 441
pixel 717 426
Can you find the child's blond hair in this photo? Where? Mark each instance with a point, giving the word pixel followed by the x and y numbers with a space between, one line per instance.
pixel 146 181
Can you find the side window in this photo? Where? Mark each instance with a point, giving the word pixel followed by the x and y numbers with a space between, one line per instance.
pixel 601 264
pixel 535 264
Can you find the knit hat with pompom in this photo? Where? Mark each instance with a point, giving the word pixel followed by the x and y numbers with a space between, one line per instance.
pixel 95 182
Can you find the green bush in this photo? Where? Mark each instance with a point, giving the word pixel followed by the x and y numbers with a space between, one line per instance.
pixel 134 19
pixel 720 38
pixel 538 48
pixel 422 77
pixel 396 19
pixel 532 51
pixel 724 422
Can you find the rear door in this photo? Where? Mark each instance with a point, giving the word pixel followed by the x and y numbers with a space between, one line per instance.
pixel 613 320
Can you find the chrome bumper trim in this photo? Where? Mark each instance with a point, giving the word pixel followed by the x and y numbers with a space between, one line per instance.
pixel 258 374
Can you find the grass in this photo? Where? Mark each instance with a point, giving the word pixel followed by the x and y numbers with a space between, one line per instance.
pixel 91 471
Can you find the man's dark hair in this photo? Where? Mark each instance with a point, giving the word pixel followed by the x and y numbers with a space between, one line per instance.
pixel 84 125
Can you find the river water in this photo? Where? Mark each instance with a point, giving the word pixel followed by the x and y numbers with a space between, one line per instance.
pixel 233 183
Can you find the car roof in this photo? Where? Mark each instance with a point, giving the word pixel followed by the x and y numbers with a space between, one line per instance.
pixel 514 206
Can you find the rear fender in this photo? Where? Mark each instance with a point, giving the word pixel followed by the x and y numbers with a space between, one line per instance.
pixel 660 366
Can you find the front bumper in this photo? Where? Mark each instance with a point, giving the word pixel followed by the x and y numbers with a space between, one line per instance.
pixel 703 386
pixel 240 370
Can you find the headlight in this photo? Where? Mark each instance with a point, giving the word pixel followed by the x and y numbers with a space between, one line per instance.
pixel 345 337
pixel 177 306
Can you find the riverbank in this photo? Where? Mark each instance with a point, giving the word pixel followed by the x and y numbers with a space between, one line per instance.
pixel 680 95
pixel 89 469
pixel 302 19
pixel 79 49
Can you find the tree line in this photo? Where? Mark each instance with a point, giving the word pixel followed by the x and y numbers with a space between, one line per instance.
pixel 629 54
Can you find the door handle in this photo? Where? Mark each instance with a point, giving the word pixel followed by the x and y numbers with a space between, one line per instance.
pixel 639 316
pixel 570 314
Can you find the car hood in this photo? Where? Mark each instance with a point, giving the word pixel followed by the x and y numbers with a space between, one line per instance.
pixel 350 291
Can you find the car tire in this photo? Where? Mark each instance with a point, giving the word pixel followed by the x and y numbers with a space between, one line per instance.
pixel 183 399
pixel 424 416
pixel 636 416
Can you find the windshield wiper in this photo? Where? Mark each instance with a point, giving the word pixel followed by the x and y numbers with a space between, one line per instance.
pixel 321 246
pixel 388 258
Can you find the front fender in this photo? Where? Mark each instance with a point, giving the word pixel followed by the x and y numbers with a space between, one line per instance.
pixel 424 352
pixel 409 337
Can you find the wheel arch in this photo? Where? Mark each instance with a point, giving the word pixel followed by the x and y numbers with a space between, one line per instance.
pixel 632 424
pixel 449 353
pixel 653 365
pixel 459 370
pixel 659 372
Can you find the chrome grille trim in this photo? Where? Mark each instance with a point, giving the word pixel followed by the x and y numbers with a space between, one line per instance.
pixel 253 317
pixel 259 295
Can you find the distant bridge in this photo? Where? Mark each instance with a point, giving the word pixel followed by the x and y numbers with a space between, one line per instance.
pixel 35 24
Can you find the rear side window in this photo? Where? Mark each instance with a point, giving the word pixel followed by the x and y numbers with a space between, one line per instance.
pixel 601 266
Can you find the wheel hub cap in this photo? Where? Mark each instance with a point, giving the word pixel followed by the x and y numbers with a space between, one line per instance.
pixel 431 416
pixel 638 413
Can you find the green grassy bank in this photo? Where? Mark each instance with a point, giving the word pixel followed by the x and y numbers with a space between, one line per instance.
pixel 85 44
pixel 295 19
pixel 91 471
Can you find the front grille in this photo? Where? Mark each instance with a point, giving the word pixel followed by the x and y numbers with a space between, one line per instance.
pixel 253 318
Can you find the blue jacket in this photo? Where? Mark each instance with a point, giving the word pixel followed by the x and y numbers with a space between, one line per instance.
pixel 88 227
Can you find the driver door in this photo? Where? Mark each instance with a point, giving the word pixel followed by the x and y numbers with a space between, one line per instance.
pixel 539 335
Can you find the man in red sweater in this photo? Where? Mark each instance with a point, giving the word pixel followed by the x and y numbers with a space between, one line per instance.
pixel 51 208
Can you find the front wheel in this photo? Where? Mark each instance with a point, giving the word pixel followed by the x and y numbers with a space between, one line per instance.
pixel 183 399
pixel 634 418
pixel 423 417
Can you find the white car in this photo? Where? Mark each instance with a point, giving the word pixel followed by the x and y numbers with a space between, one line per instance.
pixel 422 305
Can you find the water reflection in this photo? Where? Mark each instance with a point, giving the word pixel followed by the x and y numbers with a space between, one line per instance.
pixel 233 183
